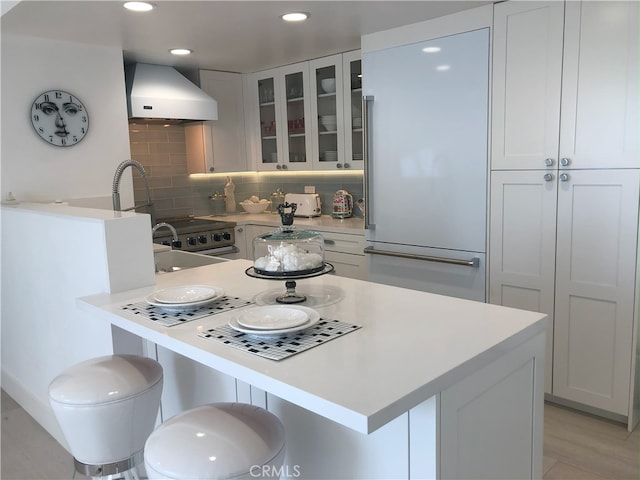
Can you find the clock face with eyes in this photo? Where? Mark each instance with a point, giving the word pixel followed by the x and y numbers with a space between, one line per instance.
pixel 59 118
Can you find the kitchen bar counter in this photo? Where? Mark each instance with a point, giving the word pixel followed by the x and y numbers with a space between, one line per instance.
pixel 414 366
pixel 352 225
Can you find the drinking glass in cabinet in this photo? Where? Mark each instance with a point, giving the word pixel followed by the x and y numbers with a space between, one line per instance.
pixel 266 90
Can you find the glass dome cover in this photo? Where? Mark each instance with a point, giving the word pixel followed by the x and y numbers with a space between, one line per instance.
pixel 287 251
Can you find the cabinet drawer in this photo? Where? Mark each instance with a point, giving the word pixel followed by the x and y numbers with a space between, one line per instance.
pixel 344 243
pixel 347 265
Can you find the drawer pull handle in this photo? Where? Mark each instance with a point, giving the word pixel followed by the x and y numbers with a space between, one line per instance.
pixel 474 262
pixel 329 242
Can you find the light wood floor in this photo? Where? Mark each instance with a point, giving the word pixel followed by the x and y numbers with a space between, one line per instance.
pixel 576 446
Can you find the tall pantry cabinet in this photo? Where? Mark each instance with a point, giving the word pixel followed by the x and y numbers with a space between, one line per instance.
pixel 565 189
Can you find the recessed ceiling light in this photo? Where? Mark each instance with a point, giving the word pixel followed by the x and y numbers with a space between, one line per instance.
pixel 431 49
pixel 295 17
pixel 138 6
pixel 180 51
pixel 443 68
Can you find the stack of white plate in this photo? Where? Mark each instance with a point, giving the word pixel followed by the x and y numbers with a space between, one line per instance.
pixel 357 156
pixel 357 122
pixel 274 320
pixel 330 156
pixel 184 298
pixel 329 122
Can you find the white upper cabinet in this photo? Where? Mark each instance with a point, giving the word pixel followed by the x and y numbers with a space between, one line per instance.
pixel 352 84
pixel 527 68
pixel 327 92
pixel 571 105
pixel 600 104
pixel 304 116
pixel 219 145
pixel 280 117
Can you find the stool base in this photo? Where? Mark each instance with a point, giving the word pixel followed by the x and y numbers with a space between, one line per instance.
pixel 121 469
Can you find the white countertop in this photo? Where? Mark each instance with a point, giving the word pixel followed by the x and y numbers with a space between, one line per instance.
pixel 411 346
pixel 352 225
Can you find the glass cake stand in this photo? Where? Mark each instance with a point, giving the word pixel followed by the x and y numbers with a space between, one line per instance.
pixel 290 295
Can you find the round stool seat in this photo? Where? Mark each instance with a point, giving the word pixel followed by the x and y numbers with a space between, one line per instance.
pixel 105 379
pixel 217 441
pixel 106 408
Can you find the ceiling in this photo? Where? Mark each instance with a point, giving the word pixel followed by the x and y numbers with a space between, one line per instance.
pixel 235 35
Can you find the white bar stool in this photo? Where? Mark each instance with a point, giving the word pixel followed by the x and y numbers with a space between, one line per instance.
pixel 217 441
pixel 106 408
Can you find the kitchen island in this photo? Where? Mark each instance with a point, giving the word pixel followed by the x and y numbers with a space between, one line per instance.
pixel 428 387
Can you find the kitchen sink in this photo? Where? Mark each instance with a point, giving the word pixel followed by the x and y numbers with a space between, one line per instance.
pixel 174 260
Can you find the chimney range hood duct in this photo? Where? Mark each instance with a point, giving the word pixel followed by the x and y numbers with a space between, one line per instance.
pixel 161 92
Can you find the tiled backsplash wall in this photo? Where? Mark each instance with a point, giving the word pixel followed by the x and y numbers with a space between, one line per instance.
pixel 162 152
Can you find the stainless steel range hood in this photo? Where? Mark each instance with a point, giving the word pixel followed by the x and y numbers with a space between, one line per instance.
pixel 161 92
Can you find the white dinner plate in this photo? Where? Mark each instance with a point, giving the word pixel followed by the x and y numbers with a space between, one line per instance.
pixel 314 317
pixel 273 317
pixel 185 294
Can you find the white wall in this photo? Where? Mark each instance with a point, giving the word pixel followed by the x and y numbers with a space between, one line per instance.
pixel 32 169
pixel 62 253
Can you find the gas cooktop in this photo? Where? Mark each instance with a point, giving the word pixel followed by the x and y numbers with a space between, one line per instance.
pixel 196 234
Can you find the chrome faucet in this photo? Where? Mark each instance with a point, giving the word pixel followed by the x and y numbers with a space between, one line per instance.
pixel 116 188
pixel 167 225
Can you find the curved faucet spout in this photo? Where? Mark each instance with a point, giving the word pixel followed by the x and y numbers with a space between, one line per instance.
pixel 166 225
pixel 116 187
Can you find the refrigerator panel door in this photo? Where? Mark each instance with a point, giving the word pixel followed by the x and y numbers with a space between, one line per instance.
pixel 428 142
pixel 459 281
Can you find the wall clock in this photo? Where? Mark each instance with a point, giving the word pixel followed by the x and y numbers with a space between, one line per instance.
pixel 59 118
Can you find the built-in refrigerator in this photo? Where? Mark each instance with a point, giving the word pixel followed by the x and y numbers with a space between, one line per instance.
pixel 426 148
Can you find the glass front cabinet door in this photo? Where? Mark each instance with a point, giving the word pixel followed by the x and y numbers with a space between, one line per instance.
pixel 283 112
pixel 328 124
pixel 296 152
pixel 268 148
pixel 352 80
pixel 309 115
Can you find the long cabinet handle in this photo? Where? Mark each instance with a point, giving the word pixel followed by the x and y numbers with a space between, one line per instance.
pixel 474 262
pixel 367 100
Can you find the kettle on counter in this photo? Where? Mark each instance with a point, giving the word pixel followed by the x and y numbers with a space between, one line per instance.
pixel 342 204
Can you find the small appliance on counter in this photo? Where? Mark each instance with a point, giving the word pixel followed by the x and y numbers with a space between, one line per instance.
pixel 308 204
pixel 342 204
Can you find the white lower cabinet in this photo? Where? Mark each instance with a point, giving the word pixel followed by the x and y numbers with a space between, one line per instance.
pixel 251 232
pixel 595 288
pixel 346 253
pixel 567 246
pixel 522 246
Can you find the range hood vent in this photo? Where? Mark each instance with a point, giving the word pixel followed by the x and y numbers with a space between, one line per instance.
pixel 161 92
